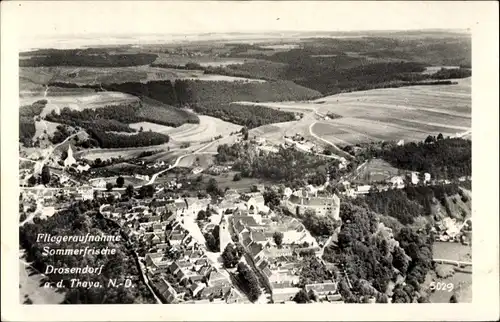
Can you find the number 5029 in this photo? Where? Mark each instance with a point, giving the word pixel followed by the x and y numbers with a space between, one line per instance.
pixel 440 286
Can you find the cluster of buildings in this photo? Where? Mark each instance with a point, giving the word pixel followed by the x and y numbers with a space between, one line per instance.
pixel 50 197
pixel 175 261
pixel 247 220
pixel 300 143
pixel 394 182
pixel 70 162
pixel 180 271
pixel 302 200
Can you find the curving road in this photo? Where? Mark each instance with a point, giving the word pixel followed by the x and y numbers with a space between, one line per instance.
pixel 39 165
pixel 342 152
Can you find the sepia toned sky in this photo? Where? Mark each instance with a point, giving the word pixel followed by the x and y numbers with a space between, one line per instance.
pixel 37 20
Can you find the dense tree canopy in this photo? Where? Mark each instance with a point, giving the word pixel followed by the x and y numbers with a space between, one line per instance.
pixel 79 220
pixel 248 281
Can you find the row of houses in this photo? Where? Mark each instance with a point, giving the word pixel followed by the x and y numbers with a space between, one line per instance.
pixel 180 271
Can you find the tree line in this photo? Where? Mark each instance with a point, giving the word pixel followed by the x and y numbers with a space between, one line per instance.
pixel 84 57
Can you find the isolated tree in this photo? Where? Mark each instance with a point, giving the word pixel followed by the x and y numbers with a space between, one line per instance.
pixel 120 181
pixel 129 190
pixel 231 255
pixel 97 162
pixel 45 175
pixel 278 238
pixel 244 132
pixel 32 181
pixel 109 186
pixel 430 139
pixel 147 191
pixel 213 187
pixel 301 297
pixel 202 215
pixel 237 177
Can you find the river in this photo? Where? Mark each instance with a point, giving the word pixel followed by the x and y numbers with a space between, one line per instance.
pixel 462 281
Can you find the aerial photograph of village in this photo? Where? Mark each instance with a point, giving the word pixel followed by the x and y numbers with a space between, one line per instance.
pixel 266 168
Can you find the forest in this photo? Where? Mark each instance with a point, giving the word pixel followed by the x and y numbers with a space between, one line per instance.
pixel 108 140
pixel 249 116
pixel 336 65
pixel 83 57
pixel 443 158
pixel 116 117
pixel 78 220
pixel 212 98
pixel 372 261
pixel 27 127
pixel 409 203
pixel 301 167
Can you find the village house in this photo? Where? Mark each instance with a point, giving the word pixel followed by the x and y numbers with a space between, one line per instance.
pixel 397 182
pixel 283 295
pixel 322 289
pixel 301 201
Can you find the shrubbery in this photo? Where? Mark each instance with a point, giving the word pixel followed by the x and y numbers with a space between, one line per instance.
pixel 112 140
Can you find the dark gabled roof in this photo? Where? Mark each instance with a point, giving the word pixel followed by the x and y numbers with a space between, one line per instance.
pixel 245 235
pixel 263 265
pixel 267 272
pixel 201 261
pixel 254 249
pixel 258 236
pixel 247 241
pixel 248 221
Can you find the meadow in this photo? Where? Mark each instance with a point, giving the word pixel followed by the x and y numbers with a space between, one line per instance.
pixel 408 113
pixel 115 75
pixel 76 99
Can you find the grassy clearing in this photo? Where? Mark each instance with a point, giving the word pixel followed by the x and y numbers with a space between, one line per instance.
pixel 78 99
pixel 208 128
pixel 376 170
pixel 110 75
pixel 408 113
pixel 148 126
pixel 126 153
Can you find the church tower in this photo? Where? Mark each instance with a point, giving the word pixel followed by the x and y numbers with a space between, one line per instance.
pixel 70 160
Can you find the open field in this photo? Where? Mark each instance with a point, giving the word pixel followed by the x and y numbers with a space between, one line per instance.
pixel 109 75
pixel 212 148
pixel 375 170
pixel 126 153
pixel 409 113
pixel 146 126
pixel 128 180
pixel 208 128
pixel 433 69
pixel 77 99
